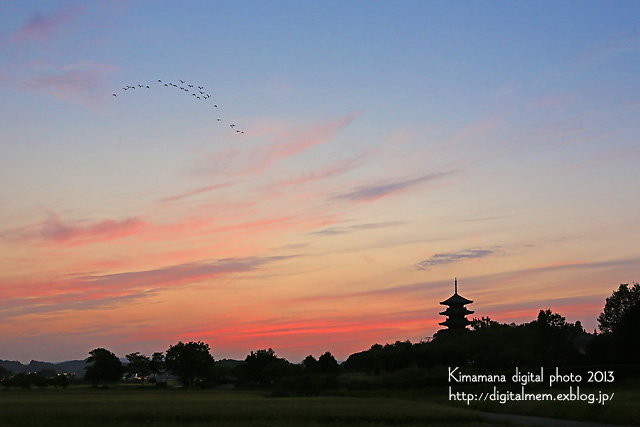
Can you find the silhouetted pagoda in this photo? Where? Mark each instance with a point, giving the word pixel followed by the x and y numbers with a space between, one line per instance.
pixel 456 311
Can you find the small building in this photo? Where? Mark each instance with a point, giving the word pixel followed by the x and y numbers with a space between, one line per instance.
pixel 456 311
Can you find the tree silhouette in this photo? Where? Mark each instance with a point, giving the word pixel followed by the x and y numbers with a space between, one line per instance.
pixel 310 364
pixel 627 332
pixel 157 364
pixel 104 367
pixel 264 367
pixel 617 305
pixel 139 366
pixel 483 323
pixel 327 364
pixel 369 361
pixel 5 373
pixel 555 339
pixel 189 361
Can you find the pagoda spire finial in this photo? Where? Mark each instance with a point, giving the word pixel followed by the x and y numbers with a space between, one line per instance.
pixel 456 282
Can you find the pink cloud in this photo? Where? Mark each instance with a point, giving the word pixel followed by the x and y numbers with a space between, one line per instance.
pixel 285 143
pixel 79 82
pixel 195 192
pixel 42 27
pixel 55 230
pixel 276 224
pixel 304 140
pixel 368 193
pixel 82 292
pixel 324 173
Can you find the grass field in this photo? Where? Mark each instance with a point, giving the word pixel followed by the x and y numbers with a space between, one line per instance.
pixel 125 407
pixel 132 406
pixel 623 409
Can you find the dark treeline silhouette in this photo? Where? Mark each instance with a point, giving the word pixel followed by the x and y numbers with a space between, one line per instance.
pixel 69 367
pixel 549 340
pixel 40 379
pixel 487 346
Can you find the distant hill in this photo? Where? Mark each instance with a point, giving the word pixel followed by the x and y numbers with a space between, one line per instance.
pixel 228 363
pixel 69 367
pixel 77 366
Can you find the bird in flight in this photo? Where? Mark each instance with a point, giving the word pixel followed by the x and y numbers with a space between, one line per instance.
pixel 201 96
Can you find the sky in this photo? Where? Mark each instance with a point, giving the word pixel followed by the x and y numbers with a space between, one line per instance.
pixel 339 166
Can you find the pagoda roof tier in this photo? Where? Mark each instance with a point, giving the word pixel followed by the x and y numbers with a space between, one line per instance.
pixel 455 322
pixel 456 299
pixel 456 311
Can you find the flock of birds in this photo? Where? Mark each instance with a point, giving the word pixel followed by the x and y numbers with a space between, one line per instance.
pixel 197 92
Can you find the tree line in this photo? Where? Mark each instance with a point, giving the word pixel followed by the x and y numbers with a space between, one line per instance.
pixel 192 365
pixel 549 340
pixel 488 346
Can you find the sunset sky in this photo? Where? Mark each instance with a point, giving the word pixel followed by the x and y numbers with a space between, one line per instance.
pixel 380 150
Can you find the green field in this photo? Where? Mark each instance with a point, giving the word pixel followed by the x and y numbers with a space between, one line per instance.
pixel 124 407
pixel 623 409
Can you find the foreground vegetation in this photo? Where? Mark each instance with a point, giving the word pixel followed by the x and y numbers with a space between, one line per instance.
pixel 132 406
pixel 622 409
pixel 129 405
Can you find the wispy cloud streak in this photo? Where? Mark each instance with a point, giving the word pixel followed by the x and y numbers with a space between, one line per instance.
pixel 82 292
pixel 481 283
pixel 302 141
pixel 332 231
pixel 377 191
pixel 324 173
pixel 55 230
pixel 197 191
pixel 451 257
pixel 174 275
pixel 283 145
pixel 42 27
pixel 75 82
pixel 78 82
